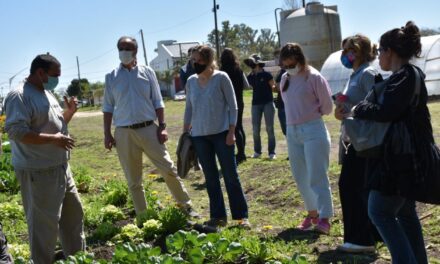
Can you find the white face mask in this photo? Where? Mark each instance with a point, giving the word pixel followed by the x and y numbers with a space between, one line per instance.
pixel 126 56
pixel 293 71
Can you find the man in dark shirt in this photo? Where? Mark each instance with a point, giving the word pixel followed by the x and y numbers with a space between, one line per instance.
pixel 186 70
pixel 262 104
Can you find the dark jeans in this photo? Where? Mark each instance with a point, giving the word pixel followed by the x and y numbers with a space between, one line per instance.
pixel 207 147
pixel 240 137
pixel 5 257
pixel 268 110
pixel 282 118
pixel 354 198
pixel 397 222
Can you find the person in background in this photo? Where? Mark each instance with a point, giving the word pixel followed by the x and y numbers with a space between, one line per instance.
pixel 186 70
pixel 132 100
pixel 307 97
pixel 40 143
pixel 210 116
pixel 262 104
pixel 394 215
pixel 357 53
pixel 279 104
pixel 230 65
pixel 5 257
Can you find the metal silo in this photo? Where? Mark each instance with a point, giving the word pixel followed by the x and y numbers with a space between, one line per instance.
pixel 315 27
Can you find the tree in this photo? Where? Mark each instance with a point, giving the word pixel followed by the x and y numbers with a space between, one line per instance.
pixel 79 89
pixel 166 77
pixel 429 31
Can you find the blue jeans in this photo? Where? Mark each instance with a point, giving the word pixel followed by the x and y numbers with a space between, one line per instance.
pixel 282 118
pixel 207 147
pixel 269 113
pixel 397 222
pixel 309 151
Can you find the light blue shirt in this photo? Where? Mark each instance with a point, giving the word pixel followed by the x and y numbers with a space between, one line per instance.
pixel 360 83
pixel 212 109
pixel 132 96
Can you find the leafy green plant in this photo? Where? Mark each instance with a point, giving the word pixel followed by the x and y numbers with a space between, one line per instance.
pixel 83 178
pixel 129 233
pixel 116 193
pixel 92 214
pixel 80 258
pixel 11 210
pixel 147 214
pixel 151 228
pixel 172 219
pixel 8 181
pixel 104 232
pixel 111 213
pixel 257 251
pixel 19 250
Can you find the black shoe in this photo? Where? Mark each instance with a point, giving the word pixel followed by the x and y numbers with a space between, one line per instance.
pixel 216 222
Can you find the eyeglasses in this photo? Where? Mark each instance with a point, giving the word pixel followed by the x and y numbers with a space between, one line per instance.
pixel 380 50
pixel 290 67
pixel 125 49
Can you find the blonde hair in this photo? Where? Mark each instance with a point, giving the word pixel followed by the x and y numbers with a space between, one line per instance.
pixel 362 45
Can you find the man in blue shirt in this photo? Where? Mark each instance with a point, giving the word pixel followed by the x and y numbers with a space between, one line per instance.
pixel 132 100
pixel 262 104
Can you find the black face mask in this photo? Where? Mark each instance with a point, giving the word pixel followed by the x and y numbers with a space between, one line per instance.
pixel 199 68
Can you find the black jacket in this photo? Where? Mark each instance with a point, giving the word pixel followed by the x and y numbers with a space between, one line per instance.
pixel 396 107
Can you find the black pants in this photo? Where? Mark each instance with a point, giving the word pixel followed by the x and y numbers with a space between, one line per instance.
pixel 5 258
pixel 358 228
pixel 240 137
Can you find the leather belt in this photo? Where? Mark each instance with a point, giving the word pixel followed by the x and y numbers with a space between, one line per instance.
pixel 139 125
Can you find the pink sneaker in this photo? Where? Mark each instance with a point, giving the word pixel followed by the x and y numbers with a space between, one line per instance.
pixel 308 223
pixel 323 226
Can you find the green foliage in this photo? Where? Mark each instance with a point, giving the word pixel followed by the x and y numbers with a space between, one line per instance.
pixel 111 214
pixel 147 214
pixel 104 232
pixel 8 181
pixel 172 219
pixel 80 258
pixel 19 250
pixel 151 228
pixel 11 210
pixel 81 89
pixel 92 214
pixel 83 178
pixel 129 233
pixel 257 251
pixel 116 193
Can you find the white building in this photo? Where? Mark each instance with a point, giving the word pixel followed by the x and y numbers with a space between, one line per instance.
pixel 169 54
pixel 429 61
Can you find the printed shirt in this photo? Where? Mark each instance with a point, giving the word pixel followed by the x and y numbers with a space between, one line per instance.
pixel 132 96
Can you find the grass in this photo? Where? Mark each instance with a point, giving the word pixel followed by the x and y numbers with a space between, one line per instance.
pixel 275 206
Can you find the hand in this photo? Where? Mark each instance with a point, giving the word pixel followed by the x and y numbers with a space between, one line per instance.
pixel 71 104
pixel 63 141
pixel 339 112
pixel 162 135
pixel 109 141
pixel 230 139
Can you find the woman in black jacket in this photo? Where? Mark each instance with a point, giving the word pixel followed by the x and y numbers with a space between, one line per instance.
pixel 230 65
pixel 389 179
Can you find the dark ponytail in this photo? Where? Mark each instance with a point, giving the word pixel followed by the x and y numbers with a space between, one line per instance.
pixel 405 41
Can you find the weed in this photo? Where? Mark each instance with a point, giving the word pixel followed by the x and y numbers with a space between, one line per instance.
pixel 82 177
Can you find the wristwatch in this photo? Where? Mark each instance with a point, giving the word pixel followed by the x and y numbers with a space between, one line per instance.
pixel 162 125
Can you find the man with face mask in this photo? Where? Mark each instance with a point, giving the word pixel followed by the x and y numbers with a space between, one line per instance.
pixel 40 143
pixel 132 100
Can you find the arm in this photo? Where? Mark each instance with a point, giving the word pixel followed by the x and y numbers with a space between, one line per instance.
pixel 231 101
pixel 323 94
pixel 156 98
pixel 71 106
pixel 162 133
pixel 107 109
pixel 188 110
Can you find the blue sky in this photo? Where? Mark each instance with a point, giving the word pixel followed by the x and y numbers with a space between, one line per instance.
pixel 89 29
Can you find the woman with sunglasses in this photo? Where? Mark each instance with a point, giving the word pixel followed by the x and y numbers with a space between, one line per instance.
pixel 357 53
pixel 307 97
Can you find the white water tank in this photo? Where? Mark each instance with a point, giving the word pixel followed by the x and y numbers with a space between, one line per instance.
pixel 316 28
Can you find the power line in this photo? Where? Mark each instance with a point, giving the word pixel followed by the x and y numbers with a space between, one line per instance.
pixel 257 15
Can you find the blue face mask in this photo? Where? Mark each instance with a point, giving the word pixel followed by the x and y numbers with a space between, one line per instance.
pixel 52 82
pixel 348 59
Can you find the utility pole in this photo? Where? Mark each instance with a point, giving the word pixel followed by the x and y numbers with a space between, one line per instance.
pixel 217 45
pixel 79 76
pixel 143 46
pixel 276 21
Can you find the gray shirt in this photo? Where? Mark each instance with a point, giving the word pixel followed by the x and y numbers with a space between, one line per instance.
pixel 132 96
pixel 212 109
pixel 360 83
pixel 29 109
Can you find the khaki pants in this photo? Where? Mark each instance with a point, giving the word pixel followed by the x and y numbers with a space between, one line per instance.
pixel 130 144
pixel 53 207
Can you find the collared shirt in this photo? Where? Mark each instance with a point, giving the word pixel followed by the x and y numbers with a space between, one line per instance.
pixel 360 83
pixel 307 98
pixel 212 109
pixel 132 96
pixel 29 109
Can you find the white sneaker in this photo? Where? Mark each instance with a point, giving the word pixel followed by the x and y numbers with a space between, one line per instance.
pixel 256 155
pixel 353 248
pixel 272 156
